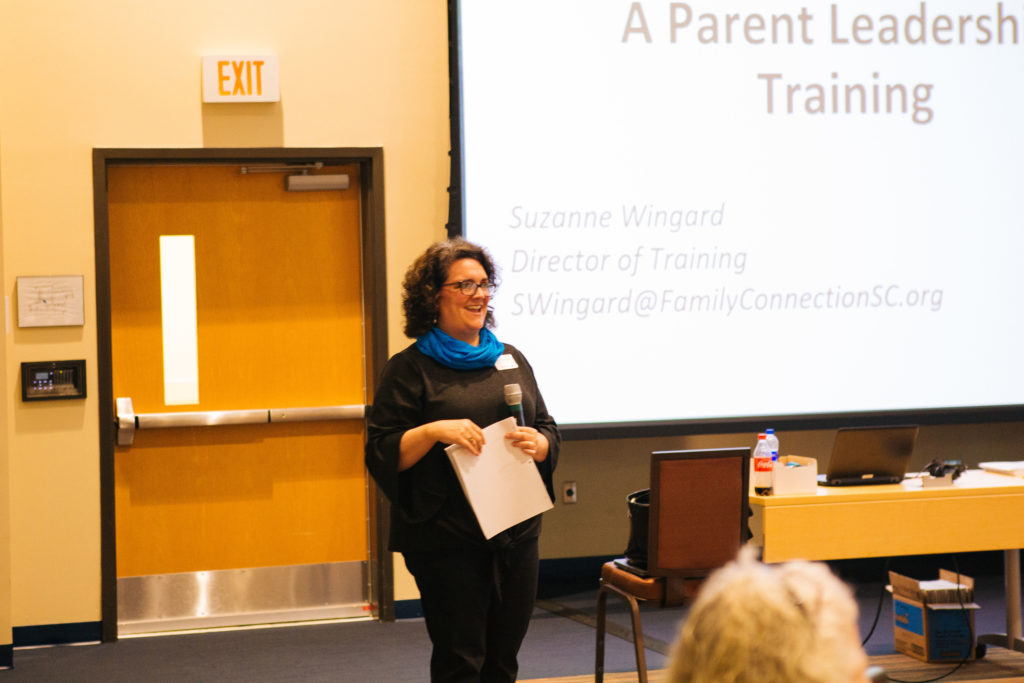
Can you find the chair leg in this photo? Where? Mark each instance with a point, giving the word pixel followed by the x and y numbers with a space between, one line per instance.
pixel 602 605
pixel 638 639
pixel 638 633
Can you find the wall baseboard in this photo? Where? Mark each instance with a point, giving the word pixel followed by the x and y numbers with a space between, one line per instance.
pixel 408 609
pixel 568 575
pixel 57 634
pixel 557 577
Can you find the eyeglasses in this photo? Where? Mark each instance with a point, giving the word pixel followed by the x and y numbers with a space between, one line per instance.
pixel 469 288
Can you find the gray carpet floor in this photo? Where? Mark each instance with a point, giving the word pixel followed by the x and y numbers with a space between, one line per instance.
pixel 560 643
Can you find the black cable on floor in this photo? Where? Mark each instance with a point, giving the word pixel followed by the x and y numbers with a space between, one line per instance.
pixel 881 597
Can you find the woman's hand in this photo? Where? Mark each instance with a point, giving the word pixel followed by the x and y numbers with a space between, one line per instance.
pixel 418 441
pixel 529 441
pixel 462 432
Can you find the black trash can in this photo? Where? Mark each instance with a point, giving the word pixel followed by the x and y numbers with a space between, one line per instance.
pixel 639 504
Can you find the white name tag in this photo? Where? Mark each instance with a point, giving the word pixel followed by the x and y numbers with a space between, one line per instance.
pixel 505 362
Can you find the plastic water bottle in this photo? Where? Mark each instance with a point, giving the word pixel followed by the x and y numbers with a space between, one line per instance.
pixel 773 443
pixel 762 466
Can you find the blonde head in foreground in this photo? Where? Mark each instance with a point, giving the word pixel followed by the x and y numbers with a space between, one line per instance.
pixel 789 623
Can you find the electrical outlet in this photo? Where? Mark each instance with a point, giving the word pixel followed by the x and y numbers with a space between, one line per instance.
pixel 569 492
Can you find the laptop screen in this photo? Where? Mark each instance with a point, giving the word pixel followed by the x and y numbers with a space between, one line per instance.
pixel 871 455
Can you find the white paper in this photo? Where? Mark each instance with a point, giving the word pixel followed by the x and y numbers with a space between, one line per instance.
pixel 502 483
pixel 1014 468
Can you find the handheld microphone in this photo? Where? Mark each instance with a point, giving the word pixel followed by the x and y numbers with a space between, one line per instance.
pixel 514 401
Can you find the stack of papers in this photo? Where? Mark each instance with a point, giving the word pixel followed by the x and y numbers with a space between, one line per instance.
pixel 1013 468
pixel 943 591
pixel 502 483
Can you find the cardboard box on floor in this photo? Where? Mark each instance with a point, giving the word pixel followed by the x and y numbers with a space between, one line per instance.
pixel 930 621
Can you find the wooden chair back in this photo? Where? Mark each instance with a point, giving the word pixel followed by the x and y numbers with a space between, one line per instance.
pixel 699 510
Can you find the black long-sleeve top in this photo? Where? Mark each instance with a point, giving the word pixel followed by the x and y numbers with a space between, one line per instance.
pixel 429 511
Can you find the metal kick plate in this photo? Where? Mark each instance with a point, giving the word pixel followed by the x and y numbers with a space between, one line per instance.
pixel 240 597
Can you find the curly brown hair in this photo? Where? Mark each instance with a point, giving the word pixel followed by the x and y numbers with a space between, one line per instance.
pixel 421 287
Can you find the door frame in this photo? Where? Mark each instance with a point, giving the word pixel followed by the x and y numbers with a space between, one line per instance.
pixel 370 161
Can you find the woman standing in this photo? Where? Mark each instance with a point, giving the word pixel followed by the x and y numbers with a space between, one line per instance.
pixel 477 594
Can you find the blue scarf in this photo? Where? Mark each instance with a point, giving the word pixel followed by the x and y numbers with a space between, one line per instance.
pixel 448 350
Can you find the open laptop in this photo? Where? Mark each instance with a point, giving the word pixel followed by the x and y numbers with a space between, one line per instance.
pixel 870 455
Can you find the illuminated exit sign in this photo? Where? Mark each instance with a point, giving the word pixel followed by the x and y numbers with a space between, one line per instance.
pixel 241 79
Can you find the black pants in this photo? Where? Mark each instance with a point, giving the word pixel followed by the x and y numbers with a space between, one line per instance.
pixel 477 605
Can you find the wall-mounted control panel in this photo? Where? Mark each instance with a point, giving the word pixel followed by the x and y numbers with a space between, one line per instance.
pixel 49 380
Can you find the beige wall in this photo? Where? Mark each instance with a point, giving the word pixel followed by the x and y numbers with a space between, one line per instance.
pixel 5 503
pixel 105 73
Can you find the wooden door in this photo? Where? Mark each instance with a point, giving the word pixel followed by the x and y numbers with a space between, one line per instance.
pixel 279 325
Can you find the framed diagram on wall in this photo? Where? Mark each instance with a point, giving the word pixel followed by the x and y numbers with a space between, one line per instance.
pixel 50 301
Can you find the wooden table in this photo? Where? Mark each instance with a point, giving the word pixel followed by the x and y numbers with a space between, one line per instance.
pixel 980 511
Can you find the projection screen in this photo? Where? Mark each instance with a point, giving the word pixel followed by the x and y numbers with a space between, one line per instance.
pixel 749 211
